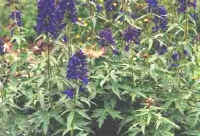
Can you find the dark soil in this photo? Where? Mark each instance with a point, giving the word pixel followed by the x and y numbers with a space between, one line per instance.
pixel 109 128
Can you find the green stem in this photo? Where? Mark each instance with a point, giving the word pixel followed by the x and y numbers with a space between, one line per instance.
pixel 68 30
pixel 123 4
pixel 72 132
pixel 48 65
pixel 186 26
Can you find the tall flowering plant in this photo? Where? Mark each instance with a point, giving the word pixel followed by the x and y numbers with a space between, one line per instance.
pixel 51 16
pixel 77 70
pixel 130 66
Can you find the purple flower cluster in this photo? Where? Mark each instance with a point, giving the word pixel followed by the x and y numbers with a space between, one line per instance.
pixel 160 19
pixel 192 3
pixel 132 34
pixel 59 12
pixel 77 67
pixel 50 15
pixel 183 4
pixel 16 16
pixel 106 37
pixel 77 70
pixel 71 10
pixel 45 18
pixel 1 47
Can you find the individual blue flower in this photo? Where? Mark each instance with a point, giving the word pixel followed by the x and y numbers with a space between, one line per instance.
pixel 161 49
pixel 65 39
pixel 175 56
pixel 109 6
pixel 152 3
pixel 1 47
pixel 115 51
pixel 69 93
pixel 194 16
pixel 174 65
pixel 77 67
pixel 16 16
pixel 184 4
pixel 132 34
pixel 81 89
pixel 106 37
pixel 12 32
pixel 134 15
pixel 126 48
pixel 185 52
pixel 99 7
pixel 85 80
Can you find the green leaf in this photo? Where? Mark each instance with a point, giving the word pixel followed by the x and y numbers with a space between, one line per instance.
pixel 100 120
pixel 104 80
pixel 45 126
pixel 70 119
pixel 57 117
pixel 101 115
pixel 83 114
pixel 150 43
pixel 114 114
pixel 170 122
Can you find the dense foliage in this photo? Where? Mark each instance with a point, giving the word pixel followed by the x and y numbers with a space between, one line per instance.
pixel 69 67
